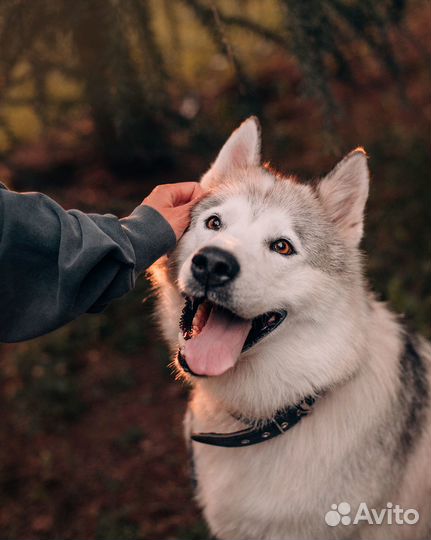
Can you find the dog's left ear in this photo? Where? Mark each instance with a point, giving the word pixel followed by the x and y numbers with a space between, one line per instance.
pixel 344 192
pixel 240 151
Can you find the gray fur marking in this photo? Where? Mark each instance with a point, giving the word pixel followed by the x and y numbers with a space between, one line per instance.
pixel 414 397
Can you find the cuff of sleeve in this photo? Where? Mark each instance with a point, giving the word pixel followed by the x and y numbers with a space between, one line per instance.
pixel 150 235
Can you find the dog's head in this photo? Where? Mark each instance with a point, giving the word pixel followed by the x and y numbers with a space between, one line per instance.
pixel 263 255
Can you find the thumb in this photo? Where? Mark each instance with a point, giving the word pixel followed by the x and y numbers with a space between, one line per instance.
pixel 195 201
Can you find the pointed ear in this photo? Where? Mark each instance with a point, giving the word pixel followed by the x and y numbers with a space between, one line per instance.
pixel 344 192
pixel 241 150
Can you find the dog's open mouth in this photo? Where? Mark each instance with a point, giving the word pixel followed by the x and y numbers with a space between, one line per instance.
pixel 214 337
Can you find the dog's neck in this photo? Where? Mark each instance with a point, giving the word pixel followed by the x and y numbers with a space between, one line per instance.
pixel 304 358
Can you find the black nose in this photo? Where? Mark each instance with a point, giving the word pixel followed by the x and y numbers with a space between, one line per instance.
pixel 213 267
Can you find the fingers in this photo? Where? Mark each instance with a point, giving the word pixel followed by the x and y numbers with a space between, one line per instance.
pixel 179 216
pixel 184 192
pixel 195 200
pixel 174 202
pixel 173 195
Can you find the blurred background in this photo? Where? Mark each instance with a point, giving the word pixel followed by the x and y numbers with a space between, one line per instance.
pixel 100 100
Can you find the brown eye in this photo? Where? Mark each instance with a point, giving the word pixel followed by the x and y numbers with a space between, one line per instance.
pixel 283 247
pixel 213 223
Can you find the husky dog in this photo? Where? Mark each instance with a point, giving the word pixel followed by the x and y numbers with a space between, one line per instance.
pixel 276 326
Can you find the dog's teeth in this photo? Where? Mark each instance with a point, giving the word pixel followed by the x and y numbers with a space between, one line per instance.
pixel 181 340
pixel 200 318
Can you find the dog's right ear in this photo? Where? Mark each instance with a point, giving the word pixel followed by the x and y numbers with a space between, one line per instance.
pixel 240 151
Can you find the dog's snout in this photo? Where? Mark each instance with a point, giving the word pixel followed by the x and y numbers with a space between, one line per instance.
pixel 214 267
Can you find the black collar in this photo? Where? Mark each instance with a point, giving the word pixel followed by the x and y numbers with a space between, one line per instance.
pixel 282 421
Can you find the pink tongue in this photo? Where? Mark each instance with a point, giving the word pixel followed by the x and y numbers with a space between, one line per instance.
pixel 218 346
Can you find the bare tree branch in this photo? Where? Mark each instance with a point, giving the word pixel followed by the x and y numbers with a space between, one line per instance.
pixel 211 20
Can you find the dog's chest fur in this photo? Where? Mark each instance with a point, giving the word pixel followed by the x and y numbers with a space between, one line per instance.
pixel 346 450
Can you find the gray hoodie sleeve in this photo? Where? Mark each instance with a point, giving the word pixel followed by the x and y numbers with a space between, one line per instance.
pixel 57 264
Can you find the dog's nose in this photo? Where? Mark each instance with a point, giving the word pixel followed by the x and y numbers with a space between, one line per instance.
pixel 213 267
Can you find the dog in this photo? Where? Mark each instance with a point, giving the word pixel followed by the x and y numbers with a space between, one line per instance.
pixel 309 414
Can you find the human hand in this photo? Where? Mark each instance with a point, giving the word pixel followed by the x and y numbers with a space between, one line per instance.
pixel 174 202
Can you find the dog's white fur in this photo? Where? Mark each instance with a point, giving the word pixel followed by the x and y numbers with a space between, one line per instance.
pixel 336 338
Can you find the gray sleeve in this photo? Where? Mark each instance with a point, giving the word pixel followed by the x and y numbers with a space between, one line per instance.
pixel 57 264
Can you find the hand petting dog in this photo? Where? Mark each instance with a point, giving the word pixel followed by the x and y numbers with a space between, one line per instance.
pixel 174 202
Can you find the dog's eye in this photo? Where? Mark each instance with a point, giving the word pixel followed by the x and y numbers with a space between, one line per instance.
pixel 283 247
pixel 213 223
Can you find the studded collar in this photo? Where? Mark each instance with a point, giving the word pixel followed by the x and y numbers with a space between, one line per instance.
pixel 282 421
